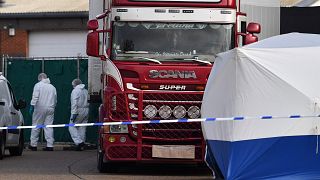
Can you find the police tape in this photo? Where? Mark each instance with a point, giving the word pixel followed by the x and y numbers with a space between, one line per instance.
pixel 157 122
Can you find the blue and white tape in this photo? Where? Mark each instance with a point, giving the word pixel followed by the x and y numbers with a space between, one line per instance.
pixel 159 121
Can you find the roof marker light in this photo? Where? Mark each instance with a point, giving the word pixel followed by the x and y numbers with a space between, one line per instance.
pixel 160 11
pixel 174 11
pixel 122 10
pixel 187 11
pixel 225 12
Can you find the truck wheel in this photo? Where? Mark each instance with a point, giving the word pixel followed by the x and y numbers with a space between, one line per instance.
pixel 102 166
pixel 17 151
pixel 105 167
pixel 2 145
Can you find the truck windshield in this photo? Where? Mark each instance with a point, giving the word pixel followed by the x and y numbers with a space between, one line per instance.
pixel 170 41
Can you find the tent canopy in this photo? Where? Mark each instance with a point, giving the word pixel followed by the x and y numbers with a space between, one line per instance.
pixel 278 76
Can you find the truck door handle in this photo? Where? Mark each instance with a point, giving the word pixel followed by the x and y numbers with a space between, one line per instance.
pixel 13 113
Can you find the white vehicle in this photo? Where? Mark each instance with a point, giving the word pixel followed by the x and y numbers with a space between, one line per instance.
pixel 10 115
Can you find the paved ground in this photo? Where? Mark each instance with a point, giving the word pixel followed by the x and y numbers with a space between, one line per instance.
pixel 82 165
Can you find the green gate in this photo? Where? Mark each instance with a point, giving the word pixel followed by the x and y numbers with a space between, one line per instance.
pixel 23 74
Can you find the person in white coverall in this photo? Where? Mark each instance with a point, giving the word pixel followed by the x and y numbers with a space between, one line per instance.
pixel 43 103
pixel 79 113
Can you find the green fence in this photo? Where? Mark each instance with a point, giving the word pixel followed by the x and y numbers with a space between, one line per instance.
pixel 22 74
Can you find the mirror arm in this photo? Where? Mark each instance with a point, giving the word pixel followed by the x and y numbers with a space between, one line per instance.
pixel 241 34
pixel 103 15
pixel 102 31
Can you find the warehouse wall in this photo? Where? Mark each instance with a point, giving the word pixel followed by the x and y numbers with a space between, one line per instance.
pixel 300 19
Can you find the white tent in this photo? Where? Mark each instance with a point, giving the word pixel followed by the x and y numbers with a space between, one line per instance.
pixel 308 3
pixel 278 76
pixel 300 3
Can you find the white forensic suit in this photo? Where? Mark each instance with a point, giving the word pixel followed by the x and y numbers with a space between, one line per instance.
pixel 44 100
pixel 79 106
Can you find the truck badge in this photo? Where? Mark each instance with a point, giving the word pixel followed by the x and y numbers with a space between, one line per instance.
pixel 173 87
pixel 172 74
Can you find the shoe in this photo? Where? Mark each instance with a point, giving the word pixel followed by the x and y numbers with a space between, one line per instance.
pixel 47 149
pixel 32 148
pixel 80 147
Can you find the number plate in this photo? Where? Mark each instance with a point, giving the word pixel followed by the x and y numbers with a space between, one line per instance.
pixel 173 151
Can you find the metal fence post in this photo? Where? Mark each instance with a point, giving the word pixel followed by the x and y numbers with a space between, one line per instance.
pixel 78 67
pixel 2 64
pixel 6 65
pixel 42 65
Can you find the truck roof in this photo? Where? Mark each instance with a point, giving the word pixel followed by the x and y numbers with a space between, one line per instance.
pixel 40 6
pixel 177 3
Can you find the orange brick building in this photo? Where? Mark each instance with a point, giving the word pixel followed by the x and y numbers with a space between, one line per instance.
pixel 16 45
pixel 35 27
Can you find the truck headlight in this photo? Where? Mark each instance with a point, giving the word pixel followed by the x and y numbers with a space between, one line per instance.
pixel 150 111
pixel 179 112
pixel 194 112
pixel 119 129
pixel 134 115
pixel 132 97
pixel 135 133
pixel 132 106
pixel 165 112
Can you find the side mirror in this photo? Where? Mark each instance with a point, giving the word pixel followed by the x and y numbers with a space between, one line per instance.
pixel 250 38
pixel 93 24
pixel 93 44
pixel 253 28
pixel 22 104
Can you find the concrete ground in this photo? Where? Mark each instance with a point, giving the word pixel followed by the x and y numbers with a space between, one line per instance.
pixel 62 165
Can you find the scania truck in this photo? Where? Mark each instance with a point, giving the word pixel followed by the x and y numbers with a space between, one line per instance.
pixel 153 59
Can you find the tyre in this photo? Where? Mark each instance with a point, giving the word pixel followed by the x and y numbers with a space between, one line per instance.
pixel 2 144
pixel 105 167
pixel 102 166
pixel 17 151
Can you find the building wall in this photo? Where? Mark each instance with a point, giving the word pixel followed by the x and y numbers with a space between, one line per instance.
pixel 16 45
pixel 300 19
pixel 57 43
pixel 264 12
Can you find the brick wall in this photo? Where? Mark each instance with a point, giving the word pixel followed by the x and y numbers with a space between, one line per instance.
pixel 14 45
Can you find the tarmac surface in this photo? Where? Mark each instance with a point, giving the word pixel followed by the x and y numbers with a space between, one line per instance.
pixel 62 165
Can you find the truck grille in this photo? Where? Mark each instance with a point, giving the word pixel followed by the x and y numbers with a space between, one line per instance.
pixel 173 132
pixel 171 106
pixel 159 106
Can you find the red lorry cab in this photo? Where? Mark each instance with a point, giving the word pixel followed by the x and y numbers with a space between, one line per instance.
pixel 157 58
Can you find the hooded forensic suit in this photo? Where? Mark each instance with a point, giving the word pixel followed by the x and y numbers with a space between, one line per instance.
pixel 44 100
pixel 79 107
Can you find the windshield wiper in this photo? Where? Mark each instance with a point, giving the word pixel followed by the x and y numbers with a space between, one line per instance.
pixel 198 60
pixel 150 59
pixel 136 52
pixel 139 57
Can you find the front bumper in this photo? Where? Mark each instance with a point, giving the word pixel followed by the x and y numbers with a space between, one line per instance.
pixel 140 140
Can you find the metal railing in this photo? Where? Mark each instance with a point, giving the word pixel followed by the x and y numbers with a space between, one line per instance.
pixel 6 58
